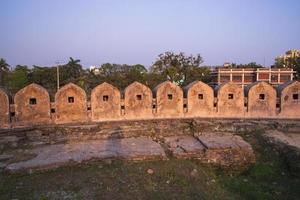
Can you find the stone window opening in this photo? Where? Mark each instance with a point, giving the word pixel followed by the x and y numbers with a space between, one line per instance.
pixel 200 96
pixel 32 101
pixel 184 106
pixel 122 107
pixel 52 110
pixel 170 96
pixel 153 106
pixel 139 97
pixel 105 97
pixel 261 96
pixel 277 105
pixel 71 99
pixel 230 96
pixel 295 96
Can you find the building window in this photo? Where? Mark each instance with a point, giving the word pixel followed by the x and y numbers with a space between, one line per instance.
pixel 274 78
pixel 262 96
pixel 230 96
pixel 105 97
pixel 295 96
pixel 71 99
pixel 139 97
pixel 224 78
pixel 200 96
pixel 52 110
pixel 184 106
pixel 285 78
pixel 32 101
pixel 170 96
pixel 237 78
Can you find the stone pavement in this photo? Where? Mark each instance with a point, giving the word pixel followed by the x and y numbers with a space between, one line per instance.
pixel 60 154
pixel 221 150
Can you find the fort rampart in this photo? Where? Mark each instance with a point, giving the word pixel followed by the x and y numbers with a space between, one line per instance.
pixel 32 106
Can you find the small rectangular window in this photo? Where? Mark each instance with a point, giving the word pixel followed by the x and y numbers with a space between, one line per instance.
pixel 170 96
pixel 105 97
pixel 184 106
pixel 230 96
pixel 71 99
pixel 32 101
pixel 277 105
pixel 295 96
pixel 262 96
pixel 52 110
pixel 139 97
pixel 200 96
pixel 153 106
pixel 123 107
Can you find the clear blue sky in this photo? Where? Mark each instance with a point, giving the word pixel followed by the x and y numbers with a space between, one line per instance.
pixel 136 31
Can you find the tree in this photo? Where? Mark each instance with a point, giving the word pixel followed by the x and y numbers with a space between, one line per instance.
pixel 291 59
pixel 70 72
pixel 4 68
pixel 18 78
pixel 288 60
pixel 177 68
pixel 249 65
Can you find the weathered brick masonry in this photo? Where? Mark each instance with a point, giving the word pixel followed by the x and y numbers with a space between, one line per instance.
pixel 32 105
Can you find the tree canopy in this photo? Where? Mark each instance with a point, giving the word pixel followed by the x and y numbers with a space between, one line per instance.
pixel 179 68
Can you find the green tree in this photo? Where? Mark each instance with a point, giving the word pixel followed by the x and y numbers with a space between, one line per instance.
pixel 177 68
pixel 249 65
pixel 18 78
pixel 4 69
pixel 44 76
pixel 291 59
pixel 70 72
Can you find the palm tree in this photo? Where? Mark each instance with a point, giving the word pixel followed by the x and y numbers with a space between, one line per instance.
pixel 4 67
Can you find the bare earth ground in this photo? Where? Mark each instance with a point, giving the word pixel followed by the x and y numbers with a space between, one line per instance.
pixel 269 178
pixel 292 139
pixel 275 175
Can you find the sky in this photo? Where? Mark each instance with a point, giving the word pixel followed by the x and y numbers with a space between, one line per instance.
pixel 41 32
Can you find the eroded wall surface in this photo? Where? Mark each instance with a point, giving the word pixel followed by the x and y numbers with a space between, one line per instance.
pixel 261 100
pixel 200 99
pixel 70 105
pixel 290 100
pixel 105 103
pixel 32 105
pixel 4 110
pixel 230 101
pixel 169 98
pixel 137 101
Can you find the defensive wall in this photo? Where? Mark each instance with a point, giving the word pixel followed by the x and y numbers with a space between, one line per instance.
pixel 31 105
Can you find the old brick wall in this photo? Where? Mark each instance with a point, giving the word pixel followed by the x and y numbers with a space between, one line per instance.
pixel 261 100
pixel 4 110
pixel 230 100
pixel 138 101
pixel 169 100
pixel 105 103
pixel 200 100
pixel 70 105
pixel 289 95
pixel 32 105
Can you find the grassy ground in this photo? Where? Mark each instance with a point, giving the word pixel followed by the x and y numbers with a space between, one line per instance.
pixel 173 179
